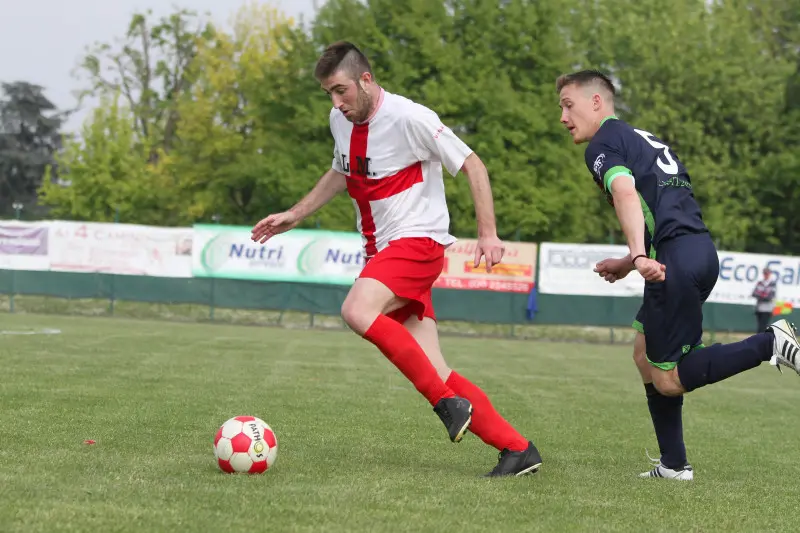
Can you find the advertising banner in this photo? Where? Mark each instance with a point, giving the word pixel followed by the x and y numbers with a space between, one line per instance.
pixel 314 256
pixel 515 274
pixel 310 256
pixel 739 273
pixel 23 246
pixel 566 268
pixel 121 249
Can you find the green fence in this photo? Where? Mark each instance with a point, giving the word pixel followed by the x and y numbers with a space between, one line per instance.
pixel 451 305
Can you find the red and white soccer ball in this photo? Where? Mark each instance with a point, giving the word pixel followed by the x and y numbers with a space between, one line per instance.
pixel 245 444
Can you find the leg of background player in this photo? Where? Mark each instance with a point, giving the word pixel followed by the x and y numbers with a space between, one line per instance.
pixel 640 358
pixel 763 321
pixel 715 363
pixel 665 411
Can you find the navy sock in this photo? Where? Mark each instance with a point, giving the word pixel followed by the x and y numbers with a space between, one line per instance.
pixel 714 363
pixel 667 415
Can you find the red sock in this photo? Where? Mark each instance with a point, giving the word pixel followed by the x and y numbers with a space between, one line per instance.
pixel 403 350
pixel 487 423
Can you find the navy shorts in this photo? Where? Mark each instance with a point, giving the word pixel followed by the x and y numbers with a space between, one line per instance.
pixel 671 316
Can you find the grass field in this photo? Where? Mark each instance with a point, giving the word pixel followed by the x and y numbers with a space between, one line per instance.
pixel 359 449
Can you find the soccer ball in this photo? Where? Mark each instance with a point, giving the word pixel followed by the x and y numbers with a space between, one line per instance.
pixel 245 444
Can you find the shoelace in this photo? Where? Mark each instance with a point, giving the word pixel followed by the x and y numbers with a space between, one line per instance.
pixel 500 456
pixel 652 460
pixel 656 462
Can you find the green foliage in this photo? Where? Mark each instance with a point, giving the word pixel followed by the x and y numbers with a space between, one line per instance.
pixel 226 152
pixel 703 78
pixel 107 176
pixel 237 125
pixel 29 137
pixel 150 68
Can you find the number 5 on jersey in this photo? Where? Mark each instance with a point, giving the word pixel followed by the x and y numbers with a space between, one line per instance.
pixel 670 167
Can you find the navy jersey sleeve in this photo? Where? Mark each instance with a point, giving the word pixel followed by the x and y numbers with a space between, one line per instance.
pixel 605 158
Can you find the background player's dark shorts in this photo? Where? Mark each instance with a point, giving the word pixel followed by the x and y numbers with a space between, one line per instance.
pixel 671 316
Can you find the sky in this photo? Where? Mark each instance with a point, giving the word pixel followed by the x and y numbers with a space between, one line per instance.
pixel 42 41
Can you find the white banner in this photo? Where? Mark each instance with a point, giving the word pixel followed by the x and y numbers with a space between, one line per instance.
pixel 121 249
pixel 310 256
pixel 23 245
pixel 739 273
pixel 569 269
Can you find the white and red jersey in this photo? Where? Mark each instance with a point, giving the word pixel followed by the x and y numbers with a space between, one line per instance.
pixel 393 163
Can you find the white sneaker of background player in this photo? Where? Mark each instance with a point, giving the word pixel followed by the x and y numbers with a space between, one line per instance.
pixel 786 347
pixel 659 470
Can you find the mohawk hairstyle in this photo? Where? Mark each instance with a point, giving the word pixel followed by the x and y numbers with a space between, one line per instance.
pixel 583 78
pixel 344 56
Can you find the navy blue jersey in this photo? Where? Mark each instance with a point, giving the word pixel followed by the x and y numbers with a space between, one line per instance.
pixel 664 186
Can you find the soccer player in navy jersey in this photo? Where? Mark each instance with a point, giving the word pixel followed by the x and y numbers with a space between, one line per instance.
pixel 670 246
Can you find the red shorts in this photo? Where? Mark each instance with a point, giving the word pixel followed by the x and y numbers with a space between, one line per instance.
pixel 409 267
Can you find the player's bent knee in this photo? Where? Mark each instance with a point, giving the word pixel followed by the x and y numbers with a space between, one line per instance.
pixel 367 299
pixel 358 316
pixel 666 382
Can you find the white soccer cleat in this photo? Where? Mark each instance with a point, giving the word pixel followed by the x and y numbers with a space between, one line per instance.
pixel 659 470
pixel 786 347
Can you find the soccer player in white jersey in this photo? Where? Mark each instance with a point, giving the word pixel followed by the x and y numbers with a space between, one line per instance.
pixel 388 155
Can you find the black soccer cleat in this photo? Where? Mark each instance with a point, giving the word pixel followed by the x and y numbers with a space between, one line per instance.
pixel 517 463
pixel 456 413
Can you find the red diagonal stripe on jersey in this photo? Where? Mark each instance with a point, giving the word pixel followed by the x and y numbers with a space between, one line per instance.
pixel 363 189
pixel 372 189
pixel 358 148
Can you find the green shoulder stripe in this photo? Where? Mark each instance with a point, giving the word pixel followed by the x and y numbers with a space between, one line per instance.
pixel 614 172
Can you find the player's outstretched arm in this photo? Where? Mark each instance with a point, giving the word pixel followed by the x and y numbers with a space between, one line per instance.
pixel 489 245
pixel 631 219
pixel 329 185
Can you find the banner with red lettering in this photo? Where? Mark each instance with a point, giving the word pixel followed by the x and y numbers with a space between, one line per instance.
pixel 121 249
pixel 516 273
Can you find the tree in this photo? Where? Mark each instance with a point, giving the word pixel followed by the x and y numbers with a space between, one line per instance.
pixel 29 138
pixel 150 68
pixel 107 176
pixel 778 25
pixel 695 74
pixel 229 157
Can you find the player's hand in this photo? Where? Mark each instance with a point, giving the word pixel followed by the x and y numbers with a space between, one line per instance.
pixel 492 248
pixel 274 224
pixel 651 270
pixel 612 270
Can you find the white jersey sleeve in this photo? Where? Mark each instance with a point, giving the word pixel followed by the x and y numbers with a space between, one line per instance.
pixel 336 164
pixel 431 140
